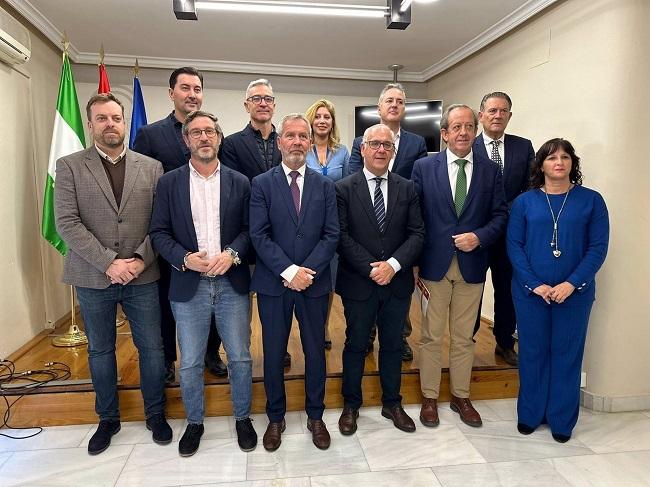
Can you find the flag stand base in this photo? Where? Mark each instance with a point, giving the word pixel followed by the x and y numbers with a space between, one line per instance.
pixel 72 338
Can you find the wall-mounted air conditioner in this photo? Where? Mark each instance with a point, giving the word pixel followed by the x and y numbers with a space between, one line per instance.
pixel 15 43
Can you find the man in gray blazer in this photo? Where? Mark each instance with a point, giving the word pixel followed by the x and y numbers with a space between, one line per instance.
pixel 103 203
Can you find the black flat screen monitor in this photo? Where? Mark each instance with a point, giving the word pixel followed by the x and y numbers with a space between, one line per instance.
pixel 421 117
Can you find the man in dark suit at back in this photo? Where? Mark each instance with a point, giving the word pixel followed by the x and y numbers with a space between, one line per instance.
pixel 163 140
pixel 294 229
pixel 514 156
pixel 464 212
pixel 381 237
pixel 409 147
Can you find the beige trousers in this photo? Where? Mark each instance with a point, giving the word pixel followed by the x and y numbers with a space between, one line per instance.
pixel 455 302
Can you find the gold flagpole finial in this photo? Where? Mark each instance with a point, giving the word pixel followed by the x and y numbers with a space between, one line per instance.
pixel 101 54
pixel 66 43
pixel 136 68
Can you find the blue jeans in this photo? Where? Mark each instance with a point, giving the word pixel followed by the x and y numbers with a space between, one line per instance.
pixel 140 304
pixel 216 297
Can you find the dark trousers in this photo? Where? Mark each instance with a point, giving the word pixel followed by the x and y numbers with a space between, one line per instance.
pixel 276 313
pixel 551 346
pixel 505 322
pixel 406 331
pixel 167 322
pixel 389 313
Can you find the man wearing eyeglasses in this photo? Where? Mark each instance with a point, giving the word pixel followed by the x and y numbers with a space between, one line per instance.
pixel 409 147
pixel 382 234
pixel 200 226
pixel 163 140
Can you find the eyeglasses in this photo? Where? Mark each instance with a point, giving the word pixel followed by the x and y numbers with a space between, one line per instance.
pixel 257 99
pixel 375 144
pixel 196 133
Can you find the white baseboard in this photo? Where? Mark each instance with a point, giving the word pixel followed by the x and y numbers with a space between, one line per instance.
pixel 614 404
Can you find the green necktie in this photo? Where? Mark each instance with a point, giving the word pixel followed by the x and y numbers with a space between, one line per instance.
pixel 461 186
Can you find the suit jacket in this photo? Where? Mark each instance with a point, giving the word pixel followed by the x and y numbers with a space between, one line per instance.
pixel 485 213
pixel 518 157
pixel 173 234
pixel 160 141
pixel 240 152
pixel 411 148
pixel 282 238
pixel 88 219
pixel 361 242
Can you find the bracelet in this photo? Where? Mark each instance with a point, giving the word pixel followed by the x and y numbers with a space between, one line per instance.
pixel 234 255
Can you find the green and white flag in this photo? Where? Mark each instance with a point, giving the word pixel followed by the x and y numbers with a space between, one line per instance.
pixel 67 137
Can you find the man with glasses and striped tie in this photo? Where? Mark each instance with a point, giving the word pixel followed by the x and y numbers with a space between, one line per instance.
pixel 381 237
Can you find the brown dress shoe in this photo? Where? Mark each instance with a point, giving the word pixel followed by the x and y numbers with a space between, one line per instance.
pixel 319 434
pixel 348 421
pixel 429 412
pixel 273 436
pixel 401 420
pixel 468 415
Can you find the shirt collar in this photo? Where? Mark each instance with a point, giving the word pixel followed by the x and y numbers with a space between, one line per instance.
pixel 257 132
pixel 108 158
pixel 370 176
pixel 174 120
pixel 451 157
pixel 488 140
pixel 198 174
pixel 287 169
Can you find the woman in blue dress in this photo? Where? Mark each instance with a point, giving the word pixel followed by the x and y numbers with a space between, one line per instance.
pixel 330 158
pixel 558 233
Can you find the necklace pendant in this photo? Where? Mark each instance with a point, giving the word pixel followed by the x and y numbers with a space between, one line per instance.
pixel 557 253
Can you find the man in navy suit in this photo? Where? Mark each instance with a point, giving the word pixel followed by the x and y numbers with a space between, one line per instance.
pixel 409 147
pixel 294 229
pixel 464 211
pixel 514 156
pixel 200 226
pixel 163 140
pixel 381 237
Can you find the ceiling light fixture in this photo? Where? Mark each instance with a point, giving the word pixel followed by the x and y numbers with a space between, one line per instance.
pixel 289 7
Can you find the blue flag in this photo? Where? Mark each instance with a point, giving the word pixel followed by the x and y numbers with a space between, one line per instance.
pixel 139 114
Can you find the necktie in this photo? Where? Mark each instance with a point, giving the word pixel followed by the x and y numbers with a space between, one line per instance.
pixel 461 186
pixel 380 211
pixel 295 190
pixel 495 156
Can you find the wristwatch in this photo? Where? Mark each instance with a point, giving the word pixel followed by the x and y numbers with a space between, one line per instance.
pixel 235 256
pixel 184 266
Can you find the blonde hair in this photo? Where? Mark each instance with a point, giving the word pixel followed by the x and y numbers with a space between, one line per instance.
pixel 334 140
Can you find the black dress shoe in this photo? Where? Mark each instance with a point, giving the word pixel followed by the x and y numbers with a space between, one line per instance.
pixel 246 435
pixel 407 351
pixel 162 432
pixel 287 360
pixel 561 438
pixel 170 373
pixel 524 429
pixel 190 440
pixel 508 354
pixel 101 439
pixel 401 420
pixel 215 365
pixel 348 421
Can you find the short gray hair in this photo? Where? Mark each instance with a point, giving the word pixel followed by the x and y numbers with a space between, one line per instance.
pixel 390 86
pixel 258 82
pixel 292 116
pixel 198 114
pixel 444 121
pixel 366 133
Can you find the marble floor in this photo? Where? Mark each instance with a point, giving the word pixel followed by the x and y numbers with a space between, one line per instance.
pixel 606 450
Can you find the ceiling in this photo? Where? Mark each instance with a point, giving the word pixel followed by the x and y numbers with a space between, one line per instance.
pixel 441 34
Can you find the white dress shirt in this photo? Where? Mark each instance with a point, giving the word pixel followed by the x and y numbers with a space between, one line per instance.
pixel 396 142
pixel 488 147
pixel 452 169
pixel 205 202
pixel 108 158
pixel 370 179
pixel 290 272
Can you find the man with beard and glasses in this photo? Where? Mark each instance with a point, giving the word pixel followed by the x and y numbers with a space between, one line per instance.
pixel 294 229
pixel 103 202
pixel 163 140
pixel 200 226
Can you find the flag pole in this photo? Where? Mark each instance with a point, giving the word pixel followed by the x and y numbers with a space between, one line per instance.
pixel 74 336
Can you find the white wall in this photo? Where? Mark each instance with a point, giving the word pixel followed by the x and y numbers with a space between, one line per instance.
pixel 580 71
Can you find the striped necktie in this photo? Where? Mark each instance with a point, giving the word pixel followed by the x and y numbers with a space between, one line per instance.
pixel 461 186
pixel 380 211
